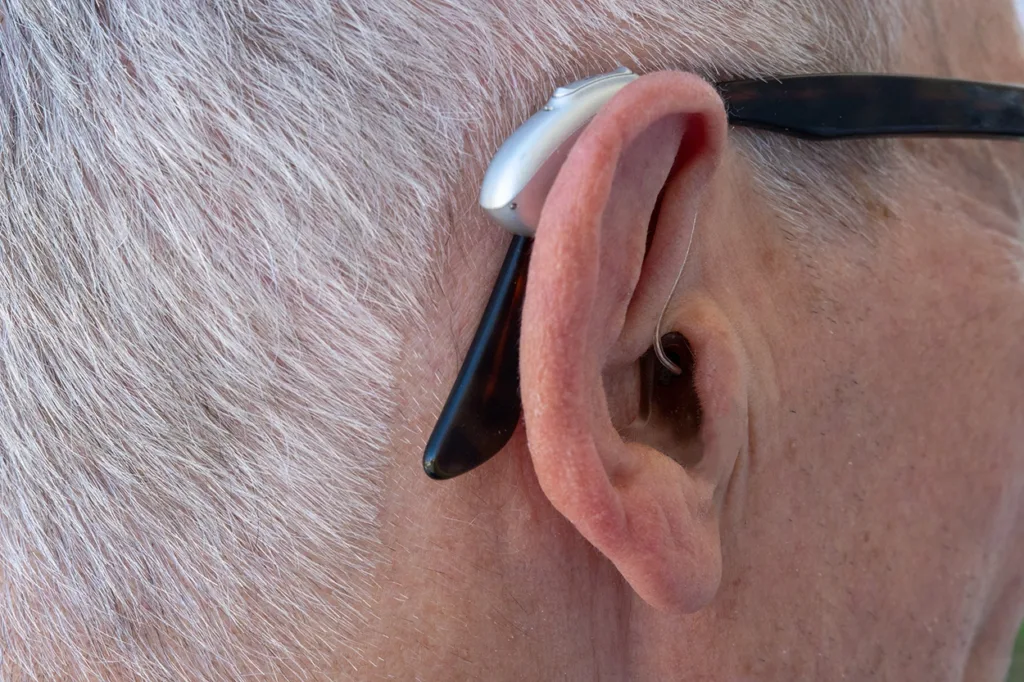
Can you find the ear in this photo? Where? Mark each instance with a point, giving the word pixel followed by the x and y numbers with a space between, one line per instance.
pixel 596 290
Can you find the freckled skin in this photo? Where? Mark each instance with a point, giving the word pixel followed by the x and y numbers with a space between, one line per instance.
pixel 855 507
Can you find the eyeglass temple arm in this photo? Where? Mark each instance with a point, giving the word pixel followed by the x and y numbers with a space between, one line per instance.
pixel 851 106
pixel 483 408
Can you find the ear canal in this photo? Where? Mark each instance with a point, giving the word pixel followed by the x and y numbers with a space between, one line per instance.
pixel 675 347
pixel 674 401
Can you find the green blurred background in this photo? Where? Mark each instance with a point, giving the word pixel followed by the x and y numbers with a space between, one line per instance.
pixel 1017 667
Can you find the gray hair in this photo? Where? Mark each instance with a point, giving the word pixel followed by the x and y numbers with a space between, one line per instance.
pixel 213 218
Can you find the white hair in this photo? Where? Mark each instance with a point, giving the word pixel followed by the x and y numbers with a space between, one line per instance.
pixel 214 220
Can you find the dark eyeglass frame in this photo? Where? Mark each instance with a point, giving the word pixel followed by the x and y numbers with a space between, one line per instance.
pixel 483 408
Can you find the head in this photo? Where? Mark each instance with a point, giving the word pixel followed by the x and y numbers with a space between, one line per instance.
pixel 240 261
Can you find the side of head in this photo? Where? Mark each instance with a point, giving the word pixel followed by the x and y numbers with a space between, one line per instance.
pixel 241 261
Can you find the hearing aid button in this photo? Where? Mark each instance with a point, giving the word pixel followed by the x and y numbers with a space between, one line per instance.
pixel 569 89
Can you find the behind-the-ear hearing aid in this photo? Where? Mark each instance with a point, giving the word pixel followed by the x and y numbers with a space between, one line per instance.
pixel 522 171
pixel 483 409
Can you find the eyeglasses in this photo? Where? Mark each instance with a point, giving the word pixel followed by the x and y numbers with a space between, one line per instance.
pixel 483 408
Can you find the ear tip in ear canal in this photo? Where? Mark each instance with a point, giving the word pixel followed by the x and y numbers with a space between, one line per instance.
pixel 667 351
pixel 654 373
pixel 673 400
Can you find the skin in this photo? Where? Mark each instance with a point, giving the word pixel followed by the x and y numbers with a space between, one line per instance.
pixel 850 505
pixel 835 491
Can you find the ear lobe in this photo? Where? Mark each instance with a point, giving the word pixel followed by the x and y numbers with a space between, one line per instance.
pixel 592 303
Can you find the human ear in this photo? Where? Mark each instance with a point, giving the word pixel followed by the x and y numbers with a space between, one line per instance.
pixel 597 285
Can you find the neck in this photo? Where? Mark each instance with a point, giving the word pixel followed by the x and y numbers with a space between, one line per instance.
pixel 484 564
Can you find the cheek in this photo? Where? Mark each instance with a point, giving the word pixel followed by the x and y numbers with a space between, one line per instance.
pixel 902 457
pixel 922 351
pixel 931 378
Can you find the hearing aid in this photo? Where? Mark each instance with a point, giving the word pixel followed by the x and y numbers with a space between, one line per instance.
pixel 522 171
pixel 484 408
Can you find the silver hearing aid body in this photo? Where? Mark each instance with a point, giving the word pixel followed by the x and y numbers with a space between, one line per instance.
pixel 524 168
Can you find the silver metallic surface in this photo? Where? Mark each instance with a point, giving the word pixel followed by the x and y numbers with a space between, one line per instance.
pixel 524 168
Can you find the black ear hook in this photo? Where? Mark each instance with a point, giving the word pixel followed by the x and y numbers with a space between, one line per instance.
pixel 484 407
